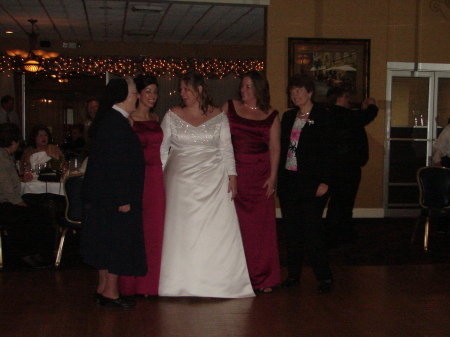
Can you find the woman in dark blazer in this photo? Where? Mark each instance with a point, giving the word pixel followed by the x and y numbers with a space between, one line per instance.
pixel 112 236
pixel 304 173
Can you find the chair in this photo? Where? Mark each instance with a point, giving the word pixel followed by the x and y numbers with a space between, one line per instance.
pixel 73 213
pixel 434 198
pixel 2 233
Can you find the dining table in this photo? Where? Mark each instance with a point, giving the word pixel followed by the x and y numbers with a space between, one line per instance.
pixel 36 186
pixel 49 195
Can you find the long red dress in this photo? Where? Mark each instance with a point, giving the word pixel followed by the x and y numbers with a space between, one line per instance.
pixel 255 211
pixel 151 135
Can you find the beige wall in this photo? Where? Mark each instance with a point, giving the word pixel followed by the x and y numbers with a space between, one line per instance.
pixel 399 30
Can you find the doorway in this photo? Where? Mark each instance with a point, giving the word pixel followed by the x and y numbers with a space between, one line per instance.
pixel 418 107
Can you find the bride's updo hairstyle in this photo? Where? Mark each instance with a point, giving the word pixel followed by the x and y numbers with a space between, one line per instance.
pixel 194 79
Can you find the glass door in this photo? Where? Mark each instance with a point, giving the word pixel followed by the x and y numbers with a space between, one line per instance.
pixel 418 107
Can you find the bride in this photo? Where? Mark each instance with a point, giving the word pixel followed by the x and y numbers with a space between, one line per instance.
pixel 202 253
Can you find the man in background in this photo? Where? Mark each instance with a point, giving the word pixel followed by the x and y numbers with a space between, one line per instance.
pixel 7 113
pixel 352 152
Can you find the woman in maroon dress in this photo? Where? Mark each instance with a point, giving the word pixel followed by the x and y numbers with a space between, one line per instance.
pixel 145 124
pixel 255 132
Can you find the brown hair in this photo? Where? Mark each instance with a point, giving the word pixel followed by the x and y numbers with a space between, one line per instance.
pixel 260 89
pixel 301 81
pixel 195 80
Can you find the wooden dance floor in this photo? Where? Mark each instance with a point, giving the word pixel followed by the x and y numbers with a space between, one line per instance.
pixel 396 300
pixel 384 287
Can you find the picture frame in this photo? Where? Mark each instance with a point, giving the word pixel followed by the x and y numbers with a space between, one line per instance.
pixel 332 62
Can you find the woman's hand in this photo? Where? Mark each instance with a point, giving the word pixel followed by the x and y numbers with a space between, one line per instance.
pixel 321 190
pixel 232 186
pixel 271 185
pixel 125 208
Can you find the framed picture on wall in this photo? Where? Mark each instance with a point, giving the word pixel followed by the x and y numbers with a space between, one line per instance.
pixel 340 63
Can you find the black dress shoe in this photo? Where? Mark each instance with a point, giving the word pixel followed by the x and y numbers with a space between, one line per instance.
pixel 97 297
pixel 120 302
pixel 324 287
pixel 290 281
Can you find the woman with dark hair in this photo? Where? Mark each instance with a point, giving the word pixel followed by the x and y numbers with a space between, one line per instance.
pixel 29 228
pixel 112 239
pixel 145 124
pixel 40 140
pixel 255 132
pixel 305 168
pixel 203 253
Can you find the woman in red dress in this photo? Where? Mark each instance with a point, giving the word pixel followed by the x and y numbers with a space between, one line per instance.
pixel 255 132
pixel 145 124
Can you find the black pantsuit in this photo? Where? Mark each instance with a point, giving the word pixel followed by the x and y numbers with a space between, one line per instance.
pixel 300 207
pixel 302 213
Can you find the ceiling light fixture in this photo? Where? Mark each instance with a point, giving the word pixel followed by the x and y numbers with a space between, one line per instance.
pixel 33 56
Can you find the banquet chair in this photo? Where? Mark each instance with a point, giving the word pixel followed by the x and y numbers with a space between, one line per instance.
pixel 434 197
pixel 2 234
pixel 73 212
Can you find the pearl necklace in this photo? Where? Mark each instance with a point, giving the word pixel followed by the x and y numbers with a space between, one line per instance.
pixel 251 107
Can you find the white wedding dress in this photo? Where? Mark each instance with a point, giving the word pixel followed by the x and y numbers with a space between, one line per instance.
pixel 202 253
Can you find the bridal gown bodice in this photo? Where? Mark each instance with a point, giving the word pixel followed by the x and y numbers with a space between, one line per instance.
pixel 202 247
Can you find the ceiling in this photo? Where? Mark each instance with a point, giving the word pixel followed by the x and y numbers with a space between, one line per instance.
pixel 232 22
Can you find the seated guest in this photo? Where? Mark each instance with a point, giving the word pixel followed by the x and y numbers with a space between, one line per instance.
pixel 74 143
pixel 40 141
pixel 29 228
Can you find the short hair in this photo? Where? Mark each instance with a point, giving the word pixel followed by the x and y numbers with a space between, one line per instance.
pixel 9 132
pixel 35 131
pixel 6 99
pixel 143 82
pixel 195 79
pixel 301 81
pixel 260 89
pixel 334 93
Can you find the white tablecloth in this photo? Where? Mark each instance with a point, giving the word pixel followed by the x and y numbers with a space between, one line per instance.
pixel 37 187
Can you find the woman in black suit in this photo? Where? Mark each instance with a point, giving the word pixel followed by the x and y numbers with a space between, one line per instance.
pixel 304 173
pixel 112 236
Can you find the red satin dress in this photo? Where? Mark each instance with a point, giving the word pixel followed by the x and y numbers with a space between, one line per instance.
pixel 255 211
pixel 151 135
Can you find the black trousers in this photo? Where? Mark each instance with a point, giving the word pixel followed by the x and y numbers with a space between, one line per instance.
pixel 30 230
pixel 343 189
pixel 302 217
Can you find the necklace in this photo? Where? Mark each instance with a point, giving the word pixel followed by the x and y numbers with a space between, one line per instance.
pixel 251 107
pixel 304 114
